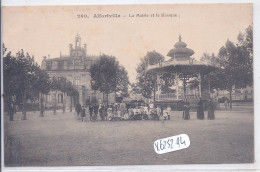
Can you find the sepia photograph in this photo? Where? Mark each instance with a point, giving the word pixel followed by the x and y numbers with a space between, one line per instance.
pixel 119 85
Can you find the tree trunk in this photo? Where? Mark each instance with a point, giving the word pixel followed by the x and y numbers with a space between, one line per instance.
pixel 63 103
pixel 154 91
pixel 24 108
pixel 230 97
pixel 107 99
pixel 41 105
pixel 10 110
pixel 55 104
pixel 70 103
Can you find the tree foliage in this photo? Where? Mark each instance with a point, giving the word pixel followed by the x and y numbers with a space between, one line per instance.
pixel 145 81
pixel 23 78
pixel 122 82
pixel 64 86
pixel 108 76
pixel 236 64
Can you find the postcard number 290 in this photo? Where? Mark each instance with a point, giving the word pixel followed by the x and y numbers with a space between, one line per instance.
pixel 171 144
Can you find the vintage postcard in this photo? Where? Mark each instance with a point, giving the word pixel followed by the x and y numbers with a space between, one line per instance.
pixel 113 85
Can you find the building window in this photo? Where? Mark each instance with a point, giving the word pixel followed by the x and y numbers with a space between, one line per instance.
pixel 60 98
pixel 48 98
pixel 77 80
pixel 60 65
pixel 48 65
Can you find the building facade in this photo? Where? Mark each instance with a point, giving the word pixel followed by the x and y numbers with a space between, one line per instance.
pixel 238 94
pixel 76 68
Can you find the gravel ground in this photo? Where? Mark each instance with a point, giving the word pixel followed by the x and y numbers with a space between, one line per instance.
pixel 61 140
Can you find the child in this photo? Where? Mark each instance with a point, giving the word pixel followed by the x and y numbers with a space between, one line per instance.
pixel 165 114
pixel 169 111
pixel 83 113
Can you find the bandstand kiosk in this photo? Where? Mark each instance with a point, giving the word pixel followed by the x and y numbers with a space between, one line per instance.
pixel 181 68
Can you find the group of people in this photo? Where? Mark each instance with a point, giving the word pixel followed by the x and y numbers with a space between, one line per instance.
pixel 81 111
pixel 93 111
pixel 116 112
pixel 120 111
pixel 211 109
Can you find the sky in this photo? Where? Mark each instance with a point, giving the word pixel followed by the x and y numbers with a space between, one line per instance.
pixel 48 30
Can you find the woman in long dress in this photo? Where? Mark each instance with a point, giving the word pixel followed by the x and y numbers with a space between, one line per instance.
pixel 200 111
pixel 186 111
pixel 78 109
pixel 211 114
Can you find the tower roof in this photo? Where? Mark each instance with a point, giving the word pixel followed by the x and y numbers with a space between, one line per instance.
pixel 180 52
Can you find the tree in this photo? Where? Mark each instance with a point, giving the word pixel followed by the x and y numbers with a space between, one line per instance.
pixel 11 87
pixel 108 76
pixel 42 85
pixel 23 79
pixel 236 64
pixel 146 82
pixel 66 87
pixel 72 92
pixel 212 79
pixel 122 82
pixel 245 48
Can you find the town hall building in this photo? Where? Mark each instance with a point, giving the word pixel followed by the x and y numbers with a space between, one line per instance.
pixel 76 68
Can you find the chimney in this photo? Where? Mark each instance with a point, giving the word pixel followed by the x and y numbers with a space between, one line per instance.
pixel 85 49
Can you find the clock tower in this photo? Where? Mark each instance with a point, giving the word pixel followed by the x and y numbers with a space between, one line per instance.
pixel 78 53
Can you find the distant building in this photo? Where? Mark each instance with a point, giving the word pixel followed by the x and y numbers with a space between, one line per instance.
pixel 76 68
pixel 241 94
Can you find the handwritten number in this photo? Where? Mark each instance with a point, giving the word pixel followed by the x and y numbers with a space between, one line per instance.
pixel 156 145
pixel 172 144
pixel 169 145
pixel 178 141
pixel 183 141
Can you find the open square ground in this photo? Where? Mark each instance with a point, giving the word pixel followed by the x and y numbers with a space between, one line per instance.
pixel 61 140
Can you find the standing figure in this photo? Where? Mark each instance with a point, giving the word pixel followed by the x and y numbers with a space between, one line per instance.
pixel 122 109
pixel 165 114
pixel 109 113
pixel 78 109
pixel 101 112
pixel 226 104
pixel 131 112
pixel 90 112
pixel 105 112
pixel 200 111
pixel 146 112
pixel 151 107
pixel 158 111
pixel 11 111
pixel 186 111
pixel 95 112
pixel 211 114
pixel 83 113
